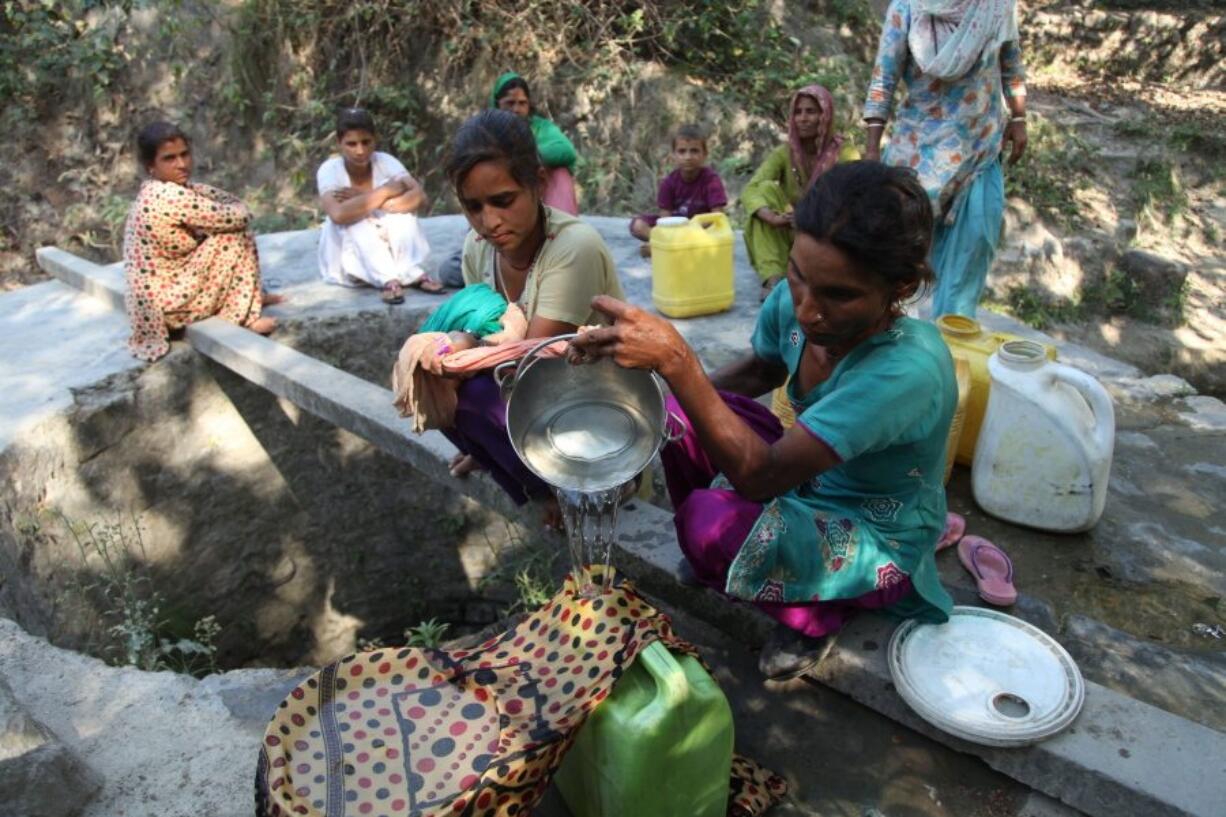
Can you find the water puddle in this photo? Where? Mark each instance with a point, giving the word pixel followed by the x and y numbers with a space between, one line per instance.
pixel 591 523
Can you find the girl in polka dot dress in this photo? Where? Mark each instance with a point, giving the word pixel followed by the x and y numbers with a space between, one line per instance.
pixel 188 254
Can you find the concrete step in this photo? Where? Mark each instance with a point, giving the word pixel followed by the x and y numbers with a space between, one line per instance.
pixel 1121 757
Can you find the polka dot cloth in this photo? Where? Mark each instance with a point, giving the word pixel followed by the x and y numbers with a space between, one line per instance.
pixel 187 256
pixel 466 732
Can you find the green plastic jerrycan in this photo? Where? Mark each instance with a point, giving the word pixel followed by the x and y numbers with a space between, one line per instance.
pixel 659 746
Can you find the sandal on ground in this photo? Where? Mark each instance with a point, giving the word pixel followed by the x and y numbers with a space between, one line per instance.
pixel 392 293
pixel 429 285
pixel 992 569
pixel 767 285
pixel 788 654
pixel 955 528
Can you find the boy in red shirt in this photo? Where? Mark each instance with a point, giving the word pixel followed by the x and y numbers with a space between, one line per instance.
pixel 691 189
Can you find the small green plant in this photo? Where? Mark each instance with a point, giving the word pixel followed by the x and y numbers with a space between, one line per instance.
pixel 1176 303
pixel 534 590
pixel 1158 190
pixel 427 634
pixel 1120 293
pixel 114 557
pixel 1033 310
pixel 1056 165
pixel 528 564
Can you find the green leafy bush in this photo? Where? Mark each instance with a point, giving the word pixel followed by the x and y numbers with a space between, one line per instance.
pixel 47 43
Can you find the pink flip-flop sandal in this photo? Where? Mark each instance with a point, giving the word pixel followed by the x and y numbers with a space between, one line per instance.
pixel 955 527
pixel 992 569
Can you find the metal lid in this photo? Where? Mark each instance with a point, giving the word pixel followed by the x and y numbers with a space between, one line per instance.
pixel 986 677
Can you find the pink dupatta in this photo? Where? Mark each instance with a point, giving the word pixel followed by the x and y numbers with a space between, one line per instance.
pixel 828 144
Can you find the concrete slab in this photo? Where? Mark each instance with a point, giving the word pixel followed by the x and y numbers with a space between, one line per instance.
pixel 55 340
pixel 163 743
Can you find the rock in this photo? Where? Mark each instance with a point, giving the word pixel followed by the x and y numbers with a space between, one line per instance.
pixel 1207 413
pixel 1150 389
pixel 1125 231
pixel 159 743
pixel 1155 275
pixel 1030 609
pixel 39 775
pixel 1189 684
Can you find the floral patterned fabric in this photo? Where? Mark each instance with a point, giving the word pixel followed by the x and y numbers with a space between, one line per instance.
pixel 872 521
pixel 947 130
pixel 465 732
pixel 188 255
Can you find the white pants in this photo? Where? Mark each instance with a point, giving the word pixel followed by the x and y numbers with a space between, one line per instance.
pixel 379 249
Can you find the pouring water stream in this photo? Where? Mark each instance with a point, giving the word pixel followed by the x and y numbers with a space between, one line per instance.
pixel 591 524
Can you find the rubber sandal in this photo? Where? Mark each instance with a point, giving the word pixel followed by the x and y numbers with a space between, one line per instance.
pixel 788 654
pixel 992 569
pixel 392 294
pixel 955 527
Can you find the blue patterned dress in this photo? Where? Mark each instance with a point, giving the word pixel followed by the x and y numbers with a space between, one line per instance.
pixel 874 519
pixel 949 131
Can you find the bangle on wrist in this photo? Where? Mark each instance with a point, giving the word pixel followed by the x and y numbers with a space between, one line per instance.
pixel 1018 118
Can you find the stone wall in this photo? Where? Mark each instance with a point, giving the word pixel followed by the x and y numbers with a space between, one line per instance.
pixel 299 537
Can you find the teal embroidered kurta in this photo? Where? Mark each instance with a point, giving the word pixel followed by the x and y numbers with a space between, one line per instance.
pixel 875 518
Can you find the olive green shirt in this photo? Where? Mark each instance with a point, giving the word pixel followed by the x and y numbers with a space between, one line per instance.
pixel 572 268
pixel 777 171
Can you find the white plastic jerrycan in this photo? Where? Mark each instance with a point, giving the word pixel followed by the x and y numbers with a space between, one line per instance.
pixel 1044 452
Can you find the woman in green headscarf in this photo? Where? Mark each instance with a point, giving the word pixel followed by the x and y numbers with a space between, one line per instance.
pixel 557 153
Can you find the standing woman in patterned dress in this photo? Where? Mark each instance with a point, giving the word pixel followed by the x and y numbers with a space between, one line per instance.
pixel 965 98
pixel 187 250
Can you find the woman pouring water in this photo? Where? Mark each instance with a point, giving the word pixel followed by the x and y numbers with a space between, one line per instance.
pixel 843 511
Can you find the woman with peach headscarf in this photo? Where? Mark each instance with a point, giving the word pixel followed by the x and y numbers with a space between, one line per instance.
pixel 783 177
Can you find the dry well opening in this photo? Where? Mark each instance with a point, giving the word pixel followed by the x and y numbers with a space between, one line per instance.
pixel 182 506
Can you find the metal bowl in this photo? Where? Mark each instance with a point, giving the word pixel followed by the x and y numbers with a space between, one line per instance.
pixel 588 427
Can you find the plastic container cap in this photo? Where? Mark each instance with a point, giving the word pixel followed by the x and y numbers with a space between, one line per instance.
pixel 672 221
pixel 986 677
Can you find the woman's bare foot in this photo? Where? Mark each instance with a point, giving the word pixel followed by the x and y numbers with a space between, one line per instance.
pixel 271 298
pixel 462 465
pixel 645 250
pixel 428 284
pixel 263 325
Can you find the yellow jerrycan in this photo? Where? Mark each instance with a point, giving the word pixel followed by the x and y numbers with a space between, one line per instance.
pixel 968 340
pixel 659 746
pixel 691 265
